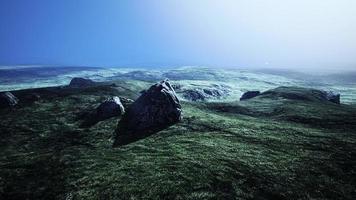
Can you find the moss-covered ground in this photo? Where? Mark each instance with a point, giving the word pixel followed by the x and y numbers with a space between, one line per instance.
pixel 263 148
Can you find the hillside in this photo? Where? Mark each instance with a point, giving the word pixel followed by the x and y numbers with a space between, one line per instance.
pixel 268 147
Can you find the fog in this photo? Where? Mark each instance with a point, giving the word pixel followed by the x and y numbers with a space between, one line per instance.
pixel 313 35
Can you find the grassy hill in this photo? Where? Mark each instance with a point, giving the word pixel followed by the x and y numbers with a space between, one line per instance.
pixel 269 147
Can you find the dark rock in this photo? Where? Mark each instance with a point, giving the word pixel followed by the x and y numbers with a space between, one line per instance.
pixel 332 97
pixel 249 95
pixel 78 82
pixel 8 100
pixel 110 108
pixel 155 110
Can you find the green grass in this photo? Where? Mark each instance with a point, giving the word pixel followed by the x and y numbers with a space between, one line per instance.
pixel 238 150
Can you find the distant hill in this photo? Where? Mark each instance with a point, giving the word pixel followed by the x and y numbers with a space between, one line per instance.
pixel 344 77
pixel 349 77
pixel 15 74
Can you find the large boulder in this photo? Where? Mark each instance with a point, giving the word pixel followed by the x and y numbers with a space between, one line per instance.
pixel 78 82
pixel 8 100
pixel 249 95
pixel 156 109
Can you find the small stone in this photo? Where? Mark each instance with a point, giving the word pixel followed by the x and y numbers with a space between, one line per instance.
pixel 8 100
pixel 111 107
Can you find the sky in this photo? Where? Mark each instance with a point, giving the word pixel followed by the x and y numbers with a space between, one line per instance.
pixel 295 34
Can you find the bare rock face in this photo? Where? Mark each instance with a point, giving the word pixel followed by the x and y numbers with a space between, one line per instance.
pixel 7 100
pixel 78 82
pixel 156 109
pixel 249 95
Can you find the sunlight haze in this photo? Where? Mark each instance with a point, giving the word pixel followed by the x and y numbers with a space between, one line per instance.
pixel 317 34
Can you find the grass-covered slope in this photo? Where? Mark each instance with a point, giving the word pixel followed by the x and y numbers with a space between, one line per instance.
pixel 265 148
pixel 295 104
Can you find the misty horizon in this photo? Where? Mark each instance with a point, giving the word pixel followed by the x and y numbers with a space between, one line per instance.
pixel 309 71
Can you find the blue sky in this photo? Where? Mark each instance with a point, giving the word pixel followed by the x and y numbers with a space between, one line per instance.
pixel 318 34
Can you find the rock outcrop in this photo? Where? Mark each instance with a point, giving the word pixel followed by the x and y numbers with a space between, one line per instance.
pixel 156 109
pixel 8 100
pixel 249 95
pixel 78 82
pixel 111 107
pixel 304 94
pixel 332 97
pixel 194 95
pixel 203 94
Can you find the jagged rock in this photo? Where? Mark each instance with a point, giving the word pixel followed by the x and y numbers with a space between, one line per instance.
pixel 332 97
pixel 156 109
pixel 8 100
pixel 78 82
pixel 111 107
pixel 249 95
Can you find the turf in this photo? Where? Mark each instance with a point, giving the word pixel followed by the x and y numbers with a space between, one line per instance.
pixel 263 148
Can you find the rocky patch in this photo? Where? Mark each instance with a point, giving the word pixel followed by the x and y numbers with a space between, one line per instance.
pixel 332 97
pixel 302 94
pixel 111 107
pixel 203 93
pixel 156 109
pixel 8 100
